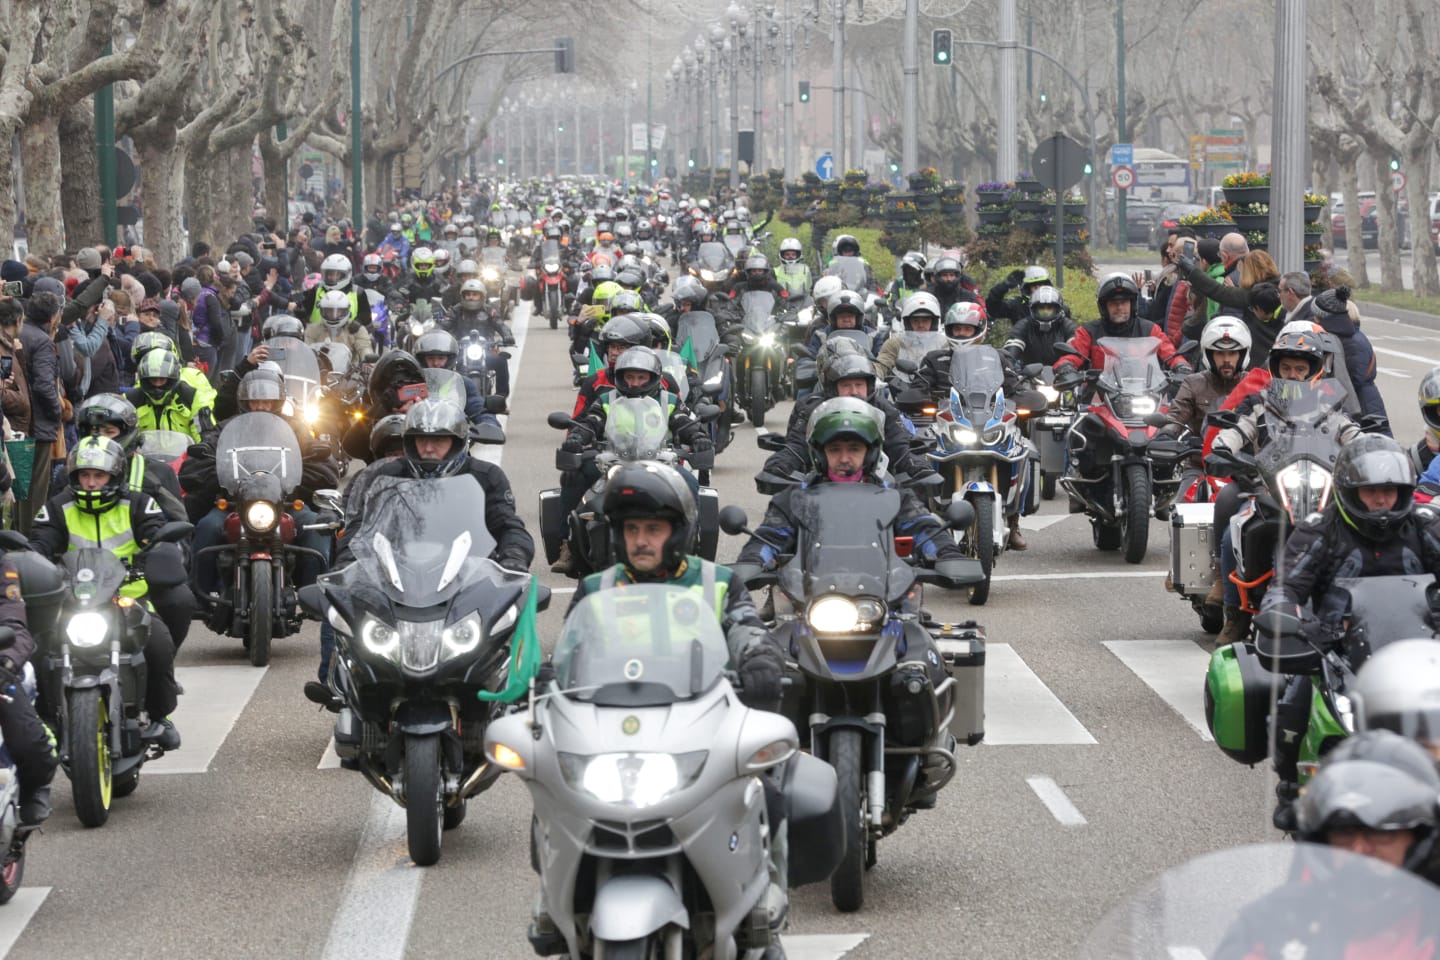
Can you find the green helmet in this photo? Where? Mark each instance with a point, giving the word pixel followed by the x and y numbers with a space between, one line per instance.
pixel 157 365
pixel 845 417
pixel 151 340
pixel 96 453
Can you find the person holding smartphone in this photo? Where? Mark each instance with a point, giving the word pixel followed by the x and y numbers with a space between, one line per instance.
pixel 14 387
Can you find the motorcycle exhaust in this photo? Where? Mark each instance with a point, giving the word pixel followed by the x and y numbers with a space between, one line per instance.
pixel 472 782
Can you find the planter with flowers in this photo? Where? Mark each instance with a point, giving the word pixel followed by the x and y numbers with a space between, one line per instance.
pixel 1314 206
pixel 1249 216
pixel 1026 183
pixel 1242 188
pixel 926 180
pixel 1314 257
pixel 1257 239
pixel 989 194
pixel 995 213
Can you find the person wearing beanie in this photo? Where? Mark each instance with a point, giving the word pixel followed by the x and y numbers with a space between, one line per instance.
pixel 1332 312
pixel 37 348
pixel 88 259
pixel 12 270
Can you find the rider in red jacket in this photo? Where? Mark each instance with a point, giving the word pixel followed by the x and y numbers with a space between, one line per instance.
pixel 1118 299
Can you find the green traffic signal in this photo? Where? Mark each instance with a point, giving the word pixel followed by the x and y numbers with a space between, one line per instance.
pixel 1089 169
pixel 941 46
pixel 804 91
pixel 894 167
pixel 1394 163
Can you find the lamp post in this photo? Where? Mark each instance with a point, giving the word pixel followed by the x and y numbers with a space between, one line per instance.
pixel 521 109
pixel 837 68
pixel 732 53
pixel 717 42
pixel 788 102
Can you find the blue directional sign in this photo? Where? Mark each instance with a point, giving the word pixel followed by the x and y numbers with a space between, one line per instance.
pixel 825 167
pixel 1122 155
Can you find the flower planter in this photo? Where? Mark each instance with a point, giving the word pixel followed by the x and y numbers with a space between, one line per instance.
pixel 1313 211
pixel 952 207
pixel 927 201
pixel 1312 265
pixel 1252 221
pixel 1030 186
pixel 852 194
pixel 994 215
pixel 1239 195
pixel 986 197
pixel 1033 224
pixel 1025 205
pixel 993 229
pixel 1214 230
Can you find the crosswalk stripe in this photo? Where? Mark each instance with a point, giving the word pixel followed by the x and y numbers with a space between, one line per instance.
pixel 17 913
pixel 214 699
pixel 823 946
pixel 1019 708
pixel 1040 522
pixel 1174 669
pixel 329 760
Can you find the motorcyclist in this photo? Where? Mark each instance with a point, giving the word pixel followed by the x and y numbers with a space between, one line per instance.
pixel 194 377
pixel 1371 529
pixel 1398 690
pixel 337 326
pixel 757 276
pixel 397 382
pixel 472 315
pixel 793 273
pixel 1034 337
pixel 1000 304
pixel 910 281
pixel 335 274
pixel 950 284
pixel 1224 358
pixel 27 739
pixel 423 283
pixel 438 348
pixel 397 241
pixel 112 416
pixel 464 270
pixel 1428 445
pixel 260 391
pixel 95 511
pixel 1116 299
pixel 847 246
pixel 163 401
pixel 372 274
pixel 919 313
pixel 846 312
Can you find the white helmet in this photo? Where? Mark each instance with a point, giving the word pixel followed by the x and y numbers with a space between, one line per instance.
pixel 1225 333
pixel 467 268
pixel 791 245
pixel 824 289
pixel 335 272
pixel 1398 689
pixel 334 309
pixel 917 303
pixel 965 313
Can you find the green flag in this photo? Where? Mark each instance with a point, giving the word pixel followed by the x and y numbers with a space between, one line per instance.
pixel 596 364
pixel 524 653
pixel 687 353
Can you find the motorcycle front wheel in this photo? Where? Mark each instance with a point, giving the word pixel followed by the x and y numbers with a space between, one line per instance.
pixel 982 547
pixel 90 776
pixel 12 873
pixel 847 756
pixel 646 948
pixel 262 615
pixel 1137 512
pixel 759 395
pixel 423 799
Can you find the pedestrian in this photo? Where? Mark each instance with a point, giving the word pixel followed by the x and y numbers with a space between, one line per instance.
pixel 210 325
pixel 1295 296
pixel 42 314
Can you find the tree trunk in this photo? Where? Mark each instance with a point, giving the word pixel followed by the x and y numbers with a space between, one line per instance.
pixel 1388 239
pixel 237 193
pixel 1422 252
pixel 8 128
pixel 203 181
pixel 80 188
pixel 161 181
pixel 275 179
pixel 1348 160
pixel 40 155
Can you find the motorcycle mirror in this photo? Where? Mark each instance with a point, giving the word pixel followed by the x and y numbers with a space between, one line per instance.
pixel 330 499
pixel 907 366
pixel 1032 370
pixel 542 597
pixel 733 520
pixel 1157 419
pixel 1222 419
pixel 495 404
pixel 7 638
pixel 173 532
pixel 1031 400
pixel 13 540
pixel 1065 350
pixel 771 442
pixel 959 514
pixel 487 433
pixel 312 600
pixel 559 421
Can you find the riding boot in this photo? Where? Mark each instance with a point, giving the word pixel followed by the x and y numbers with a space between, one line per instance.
pixel 1215 599
pixel 1237 627
pixel 1017 539
pixel 1286 793
pixel 566 563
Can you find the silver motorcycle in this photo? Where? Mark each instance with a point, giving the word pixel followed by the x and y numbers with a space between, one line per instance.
pixel 657 794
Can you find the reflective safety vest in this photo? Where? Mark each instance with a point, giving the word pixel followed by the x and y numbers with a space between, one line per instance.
pixel 110 531
pixel 173 416
pixel 700 576
pixel 135 479
pixel 354 297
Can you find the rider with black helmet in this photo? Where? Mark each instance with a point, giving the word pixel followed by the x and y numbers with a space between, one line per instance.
pixel 1035 336
pixel 949 283
pixel 1117 300
pixel 440 349
pixel 397 381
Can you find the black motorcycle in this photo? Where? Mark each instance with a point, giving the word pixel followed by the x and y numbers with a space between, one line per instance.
pixel 760 370
pixel 424 625
pixel 697 332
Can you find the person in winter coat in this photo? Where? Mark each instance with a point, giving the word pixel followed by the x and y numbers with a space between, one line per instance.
pixel 1332 312
pixel 42 313
pixel 1236 299
pixel 14 389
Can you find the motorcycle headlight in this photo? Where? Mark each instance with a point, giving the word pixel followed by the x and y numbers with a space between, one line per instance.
pixel 963 436
pixel 312 412
pixel 709 276
pixel 260 516
pixel 474 352
pixel 380 639
pixel 993 435
pixel 462 637
pixel 552 267
pixel 634 780
pixel 416 328
pixel 1050 394
pixel 767 339
pixel 490 274
pixel 833 614
pixel 87 629
pixel 1140 406
pixel 1304 488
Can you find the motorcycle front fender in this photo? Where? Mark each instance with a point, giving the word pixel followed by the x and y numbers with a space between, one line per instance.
pixel 632 906
pixel 422 717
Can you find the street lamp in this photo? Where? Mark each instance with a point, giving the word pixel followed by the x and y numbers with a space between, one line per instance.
pixel 717 43
pixel 732 53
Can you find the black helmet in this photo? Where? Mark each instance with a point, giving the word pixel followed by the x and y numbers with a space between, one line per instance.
pixel 96 453
pixel 107 409
pixel 845 417
pixel 159 365
pixel 849 367
pixel 387 436
pixel 630 279
pixel 847 246
pixel 282 325
pixel 689 290
pixel 1371 460
pixel 437 343
pixel 394 370
pixel 1116 286
pixel 436 418
pixel 641 359
pixel 1046 306
pixel 1369 795
pixel 628 329
pixel 644 489
pixel 264 383
pixel 912 267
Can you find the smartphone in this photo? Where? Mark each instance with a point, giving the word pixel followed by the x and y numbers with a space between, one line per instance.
pixel 275 353
pixel 268 244
pixel 1188 245
pixel 414 391
pixel 7 367
pixel 14 288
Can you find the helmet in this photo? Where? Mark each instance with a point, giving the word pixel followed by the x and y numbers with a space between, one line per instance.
pixel 442 261
pixel 393 370
pixel 790 245
pixel 946 265
pixel 849 301
pixel 472 304
pixel 630 279
pixel 649 490
pixel 1116 286
pixel 692 291
pixel 1035 276
pixel 436 418
pixel 96 453
pixel 824 289
pixel 606 237
pixel 601 273
pixel 264 383
pixel 1369 795
pixel 757 268
pixel 659 329
pixel 632 330
pixel 284 325
pixel 629 262
pixel 1371 460
pixel 158 365
pixel 151 340
pixel 1398 689
pixel 1389 748
pixel 1430 402
pixel 387 436
pixel 846 246
pixel 626 301
pixel 334 309
pixel 370 266
pixel 919 305
pixel 467 268
pixel 913 260
pixel 107 409
pixel 963 314
pixel 1224 333
pixel 437 343
pixel 1046 306
pixel 603 292
pixel 849 367
pixel 422 262
pixel 1302 345
pixel 644 360
pixel 845 417
pixel 335 271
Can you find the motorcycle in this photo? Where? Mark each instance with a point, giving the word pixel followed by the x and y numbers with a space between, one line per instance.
pixel 852 271
pixel 166 449
pixel 497 289
pixel 90 626
pixel 908 390
pixel 711 265
pixel 697 330
pixel 854 602
pixel 761 368
pixel 425 315
pixel 379 319
pixel 432 636
pixel 552 281
pixel 1119 425
pixel 475 348
pixel 636 428
pixel 13 834
pixel 259 464
pixel 1047 429
pixel 982 456
pixel 652 835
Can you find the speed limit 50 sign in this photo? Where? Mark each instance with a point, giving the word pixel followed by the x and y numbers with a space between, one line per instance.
pixel 1123 178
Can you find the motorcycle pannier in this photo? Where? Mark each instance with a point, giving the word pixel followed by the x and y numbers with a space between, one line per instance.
pixel 1192 555
pixel 963 647
pixel 813 820
pixel 1237 703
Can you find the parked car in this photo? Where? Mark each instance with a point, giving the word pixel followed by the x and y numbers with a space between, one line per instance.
pixel 1169 216
pixel 1139 218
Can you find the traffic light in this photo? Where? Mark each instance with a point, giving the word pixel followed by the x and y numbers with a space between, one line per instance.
pixel 894 167
pixel 1089 168
pixel 1394 162
pixel 564 54
pixel 500 161
pixel 804 91
pixel 941 47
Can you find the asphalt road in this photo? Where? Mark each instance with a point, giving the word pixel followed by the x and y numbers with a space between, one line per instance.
pixel 1096 776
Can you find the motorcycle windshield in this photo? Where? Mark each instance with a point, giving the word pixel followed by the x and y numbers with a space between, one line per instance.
pixel 714 257
pixel 846 543
pixel 976 374
pixel 164 446
pixel 1301 422
pixel 697 328
pixel 493 257
pixel 734 242
pixel 757 308
pixel 445 385
pixel 256 443
pixel 423 540
pixel 1132 365
pixel 334 358
pixel 1381 610
pixel 643 645
pixel 300 367
pixel 860 338
pixel 914 345
pixel 636 428
pixel 550 252
pixel 93 573
pixel 850 270
pixel 675 365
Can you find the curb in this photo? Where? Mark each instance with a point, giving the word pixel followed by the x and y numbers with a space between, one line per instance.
pixel 1380 311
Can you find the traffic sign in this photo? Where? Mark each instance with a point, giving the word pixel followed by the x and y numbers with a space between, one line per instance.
pixel 1059 162
pixel 1122 155
pixel 825 167
pixel 1397 180
pixel 1123 178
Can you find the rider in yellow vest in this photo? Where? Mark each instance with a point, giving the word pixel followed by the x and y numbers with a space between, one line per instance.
pixel 163 401
pixel 95 510
pixel 194 377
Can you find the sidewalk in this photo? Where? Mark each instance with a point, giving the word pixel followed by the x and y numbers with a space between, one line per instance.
pixel 1379 311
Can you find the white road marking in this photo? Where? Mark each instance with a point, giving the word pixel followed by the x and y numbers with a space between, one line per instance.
pixel 1039 522
pixel 1175 669
pixel 1391 372
pixel 823 946
pixel 329 760
pixel 1428 361
pixel 1019 708
pixel 19 912
pixel 1056 801
pixel 1097 575
pixel 378 904
pixel 214 699
pixel 1185 953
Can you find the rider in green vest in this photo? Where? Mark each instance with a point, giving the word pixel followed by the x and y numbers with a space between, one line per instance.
pixel 95 510
pixel 191 376
pixel 163 401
